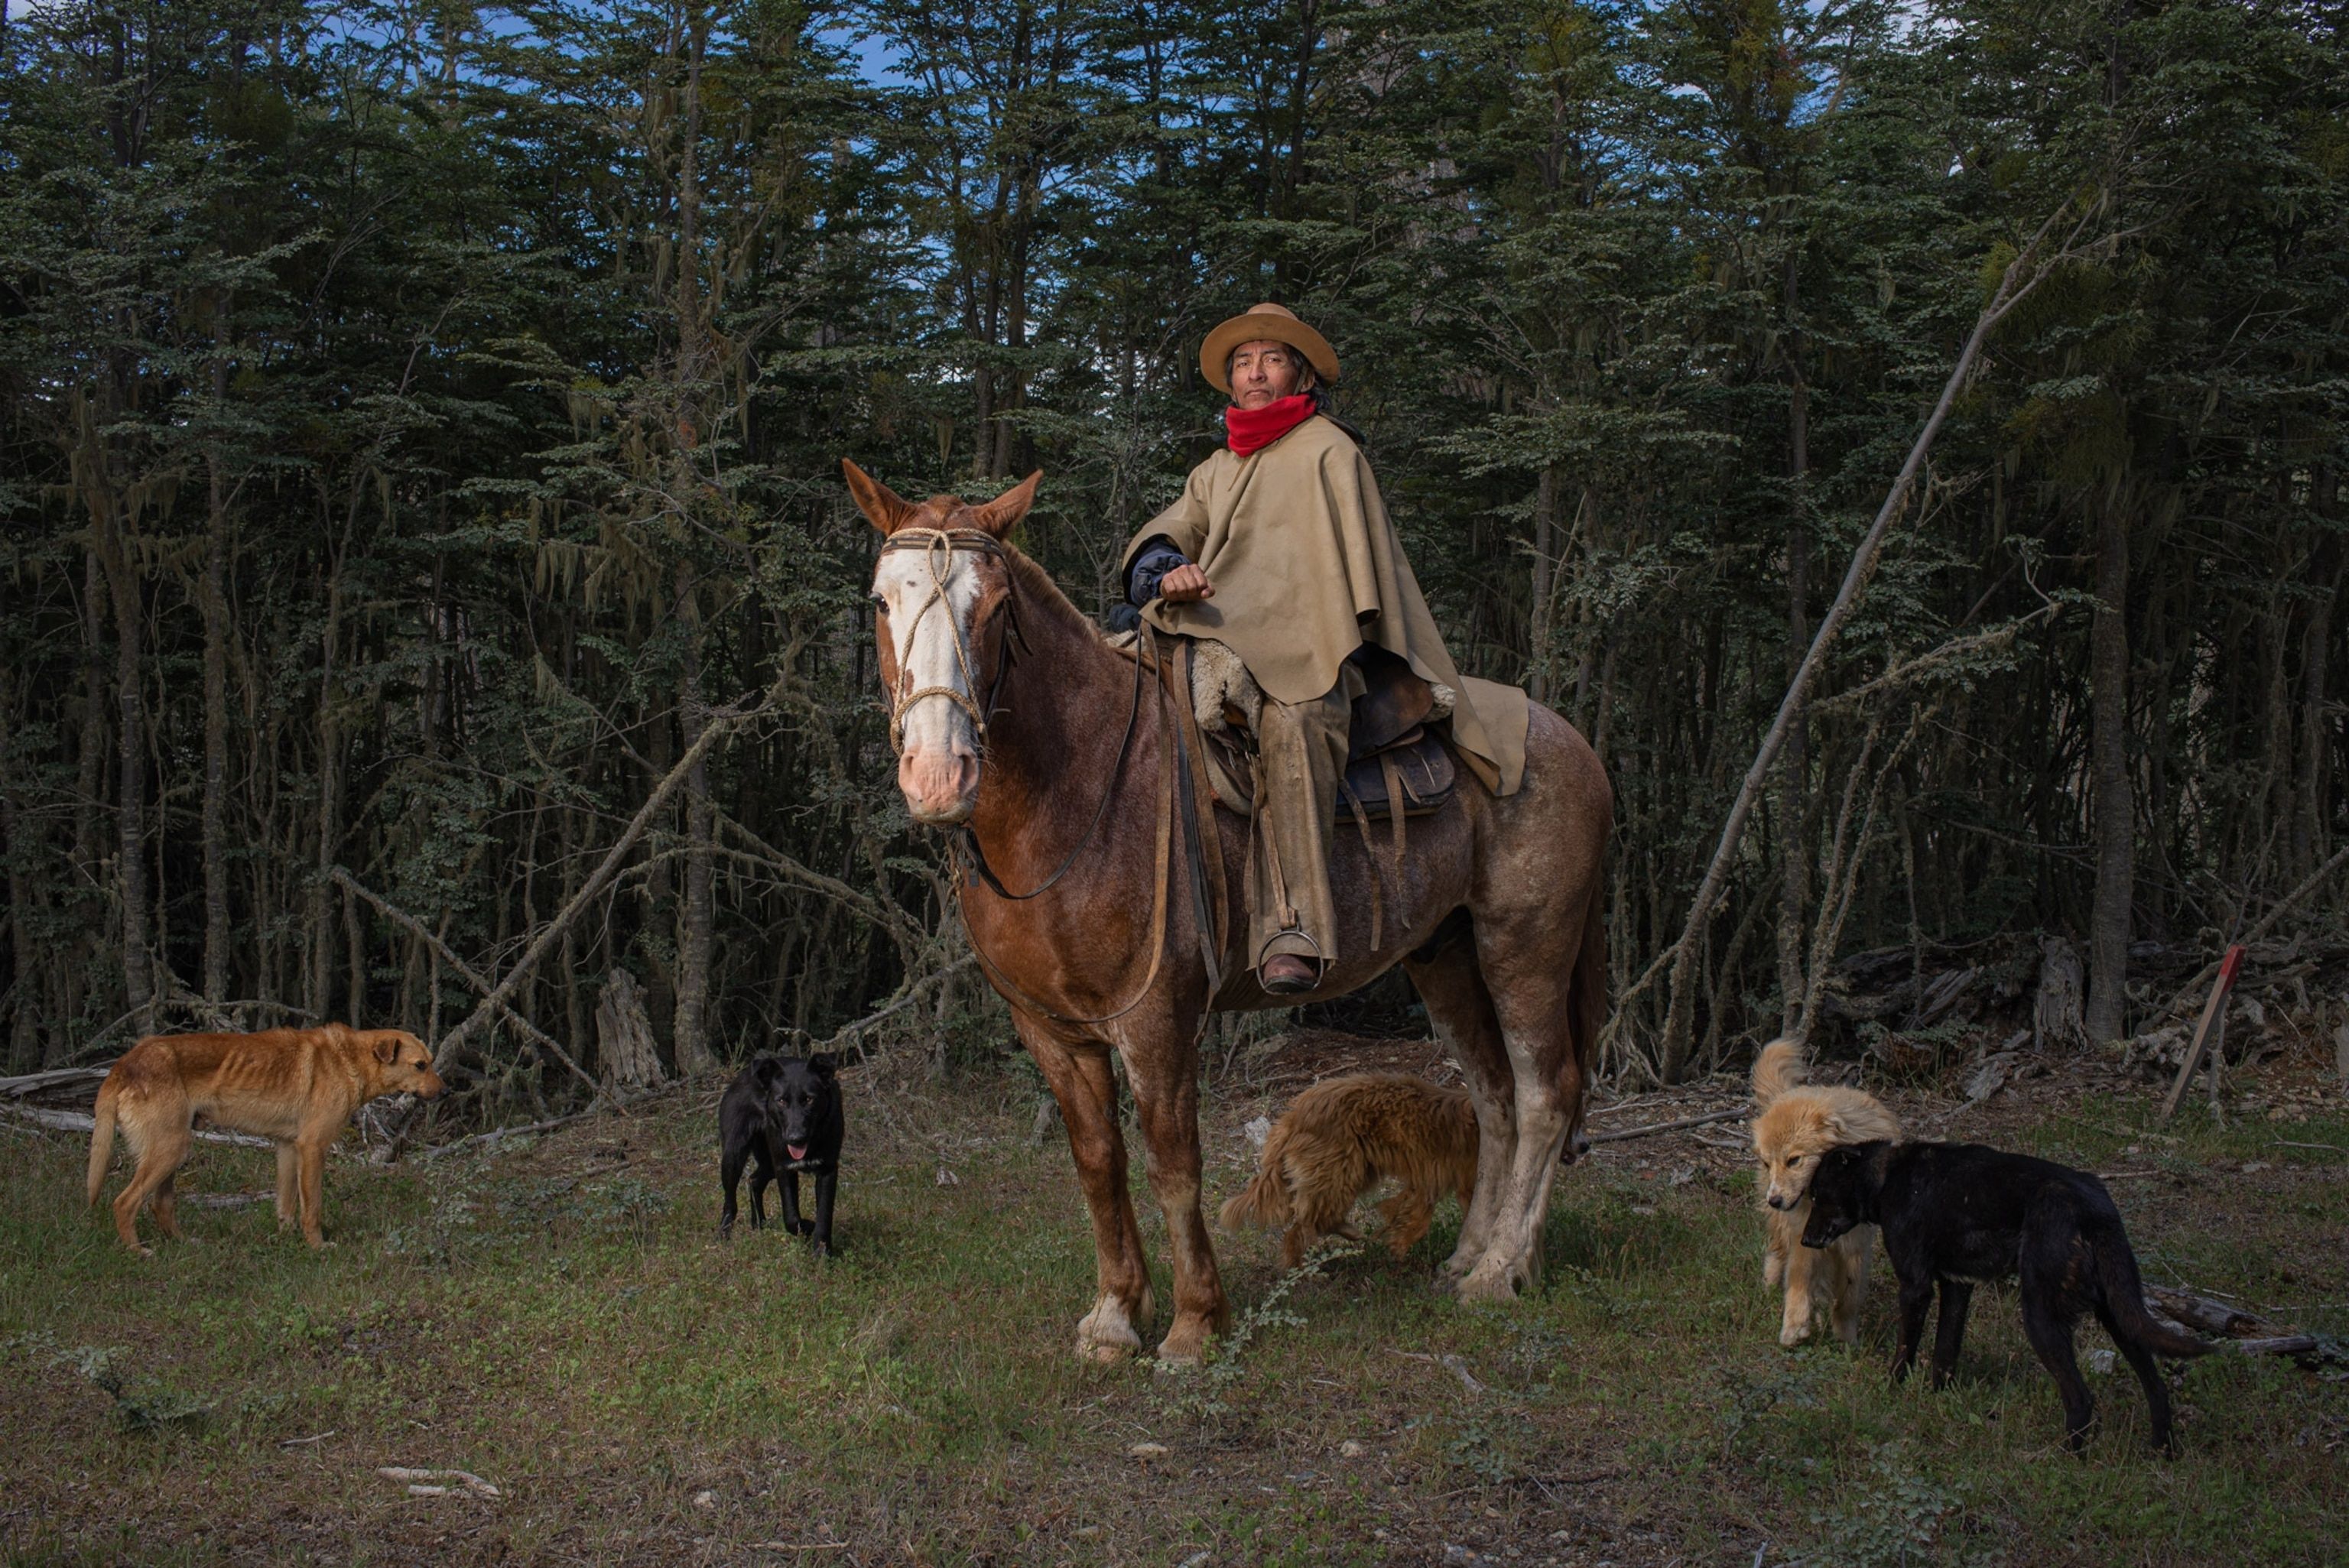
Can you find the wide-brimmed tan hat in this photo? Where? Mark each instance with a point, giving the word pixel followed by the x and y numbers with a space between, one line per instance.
pixel 1263 322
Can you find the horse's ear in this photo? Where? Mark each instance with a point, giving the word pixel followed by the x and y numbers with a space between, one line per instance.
pixel 885 507
pixel 1001 515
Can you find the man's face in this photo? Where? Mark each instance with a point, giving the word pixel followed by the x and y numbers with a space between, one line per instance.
pixel 1265 371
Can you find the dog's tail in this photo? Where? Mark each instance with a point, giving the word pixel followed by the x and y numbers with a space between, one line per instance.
pixel 1778 1068
pixel 101 1136
pixel 1264 1202
pixel 2125 1299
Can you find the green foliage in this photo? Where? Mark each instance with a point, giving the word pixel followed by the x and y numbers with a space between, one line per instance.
pixel 463 397
pixel 1208 1391
pixel 1898 1519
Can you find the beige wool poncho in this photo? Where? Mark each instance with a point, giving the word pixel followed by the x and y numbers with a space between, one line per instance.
pixel 1307 568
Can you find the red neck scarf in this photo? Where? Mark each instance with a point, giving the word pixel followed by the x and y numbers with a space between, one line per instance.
pixel 1248 430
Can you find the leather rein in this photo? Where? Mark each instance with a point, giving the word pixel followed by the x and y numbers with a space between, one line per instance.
pixel 938 547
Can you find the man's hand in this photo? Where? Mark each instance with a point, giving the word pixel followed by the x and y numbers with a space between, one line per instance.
pixel 1185 583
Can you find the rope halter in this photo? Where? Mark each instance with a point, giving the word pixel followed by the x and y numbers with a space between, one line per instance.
pixel 938 547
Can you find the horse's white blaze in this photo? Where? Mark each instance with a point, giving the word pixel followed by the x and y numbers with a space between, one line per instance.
pixel 924 641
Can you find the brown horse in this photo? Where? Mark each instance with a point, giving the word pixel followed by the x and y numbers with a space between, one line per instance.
pixel 1014 718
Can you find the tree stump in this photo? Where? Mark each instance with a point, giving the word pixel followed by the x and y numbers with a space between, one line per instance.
pixel 626 1054
pixel 2055 1018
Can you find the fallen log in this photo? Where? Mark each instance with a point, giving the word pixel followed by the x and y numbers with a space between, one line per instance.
pixel 31 1084
pixel 2201 1314
pixel 2243 1332
pixel 498 1135
pixel 1626 1134
pixel 82 1121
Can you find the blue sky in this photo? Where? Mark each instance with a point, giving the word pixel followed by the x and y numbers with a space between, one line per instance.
pixel 872 55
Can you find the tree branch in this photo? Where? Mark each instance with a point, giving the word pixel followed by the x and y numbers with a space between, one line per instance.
pixel 721 723
pixel 2022 274
pixel 416 928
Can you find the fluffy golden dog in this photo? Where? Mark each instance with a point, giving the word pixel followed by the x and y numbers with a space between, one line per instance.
pixel 1795 1123
pixel 295 1086
pixel 1338 1139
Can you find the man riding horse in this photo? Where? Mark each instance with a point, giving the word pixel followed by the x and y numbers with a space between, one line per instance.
pixel 1280 549
pixel 1005 704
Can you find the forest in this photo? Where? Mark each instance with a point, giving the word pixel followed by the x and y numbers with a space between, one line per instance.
pixel 425 571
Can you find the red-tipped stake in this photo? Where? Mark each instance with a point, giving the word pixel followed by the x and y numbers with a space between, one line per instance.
pixel 2207 1033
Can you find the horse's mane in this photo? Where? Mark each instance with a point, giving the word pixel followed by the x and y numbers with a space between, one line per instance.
pixel 1036 589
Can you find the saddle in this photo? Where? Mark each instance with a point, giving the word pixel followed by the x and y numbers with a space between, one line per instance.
pixel 1397 765
pixel 1393 753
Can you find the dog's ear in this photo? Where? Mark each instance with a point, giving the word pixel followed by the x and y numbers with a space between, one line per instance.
pixel 768 1068
pixel 823 1063
pixel 387 1047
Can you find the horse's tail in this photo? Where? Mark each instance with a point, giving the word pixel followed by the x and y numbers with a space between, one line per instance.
pixel 1264 1202
pixel 1585 1011
pixel 1778 1068
pixel 101 1136
pixel 1587 990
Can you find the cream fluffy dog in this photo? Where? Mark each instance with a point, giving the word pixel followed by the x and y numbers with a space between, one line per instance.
pixel 1795 1123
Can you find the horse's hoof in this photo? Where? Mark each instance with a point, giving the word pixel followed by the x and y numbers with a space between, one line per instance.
pixel 1184 1347
pixel 1493 1282
pixel 1105 1335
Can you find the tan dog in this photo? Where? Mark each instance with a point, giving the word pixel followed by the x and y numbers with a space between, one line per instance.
pixel 1795 1123
pixel 296 1087
pixel 1337 1139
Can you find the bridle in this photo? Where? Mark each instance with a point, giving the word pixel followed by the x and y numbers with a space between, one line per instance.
pixel 938 547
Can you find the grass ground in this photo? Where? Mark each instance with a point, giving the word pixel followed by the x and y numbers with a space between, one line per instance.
pixel 559 1319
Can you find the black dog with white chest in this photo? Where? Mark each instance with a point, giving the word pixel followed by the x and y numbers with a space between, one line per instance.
pixel 1957 1215
pixel 783 1115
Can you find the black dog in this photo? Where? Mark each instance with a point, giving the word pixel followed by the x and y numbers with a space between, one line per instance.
pixel 784 1113
pixel 1959 1215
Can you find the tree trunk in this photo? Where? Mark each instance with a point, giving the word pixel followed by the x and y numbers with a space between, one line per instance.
pixel 19 855
pixel 318 990
pixel 659 954
pixel 354 937
pixel 214 828
pixel 130 784
pixel 2056 1016
pixel 575 1012
pixel 2308 837
pixel 1793 776
pixel 1538 635
pixel 624 1035
pixel 699 915
pixel 89 790
pixel 2111 794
